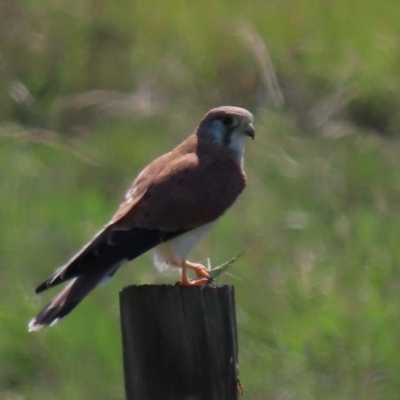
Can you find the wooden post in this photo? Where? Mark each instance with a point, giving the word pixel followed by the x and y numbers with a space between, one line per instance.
pixel 179 342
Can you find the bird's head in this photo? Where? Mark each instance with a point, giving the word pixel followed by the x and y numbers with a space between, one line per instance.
pixel 227 126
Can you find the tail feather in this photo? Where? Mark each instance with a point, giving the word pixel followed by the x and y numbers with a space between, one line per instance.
pixel 65 301
pixel 96 262
pixel 108 248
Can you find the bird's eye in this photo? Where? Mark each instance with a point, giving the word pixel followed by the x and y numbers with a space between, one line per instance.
pixel 228 121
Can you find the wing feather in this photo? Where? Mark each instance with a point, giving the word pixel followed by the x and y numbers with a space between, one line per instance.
pixel 102 253
pixel 184 189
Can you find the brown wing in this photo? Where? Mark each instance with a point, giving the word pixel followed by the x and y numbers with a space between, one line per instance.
pixel 155 171
pixel 193 185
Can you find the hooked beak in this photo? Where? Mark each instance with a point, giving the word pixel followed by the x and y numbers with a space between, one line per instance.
pixel 249 131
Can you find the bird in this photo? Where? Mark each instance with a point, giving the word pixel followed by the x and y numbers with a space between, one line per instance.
pixel 170 206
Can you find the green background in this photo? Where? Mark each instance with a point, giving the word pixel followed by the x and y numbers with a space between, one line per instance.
pixel 90 92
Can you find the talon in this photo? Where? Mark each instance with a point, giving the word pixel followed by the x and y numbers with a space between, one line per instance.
pixel 200 270
pixel 197 282
pixel 184 281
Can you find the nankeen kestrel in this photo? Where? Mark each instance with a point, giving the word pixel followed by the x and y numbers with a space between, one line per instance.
pixel 170 206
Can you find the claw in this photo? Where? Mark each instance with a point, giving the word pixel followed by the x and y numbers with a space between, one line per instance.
pixel 197 282
pixel 201 272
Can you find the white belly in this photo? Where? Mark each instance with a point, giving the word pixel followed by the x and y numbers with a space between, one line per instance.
pixel 176 250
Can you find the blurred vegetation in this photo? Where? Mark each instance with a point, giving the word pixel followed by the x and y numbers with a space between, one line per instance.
pixel 90 91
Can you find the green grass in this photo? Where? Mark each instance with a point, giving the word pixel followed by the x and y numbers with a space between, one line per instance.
pixel 317 288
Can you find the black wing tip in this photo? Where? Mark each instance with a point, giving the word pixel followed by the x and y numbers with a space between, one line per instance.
pixel 49 283
pixel 42 287
pixel 54 280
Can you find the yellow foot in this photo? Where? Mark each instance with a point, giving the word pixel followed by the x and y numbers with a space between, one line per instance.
pixel 197 282
pixel 200 270
pixel 206 276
